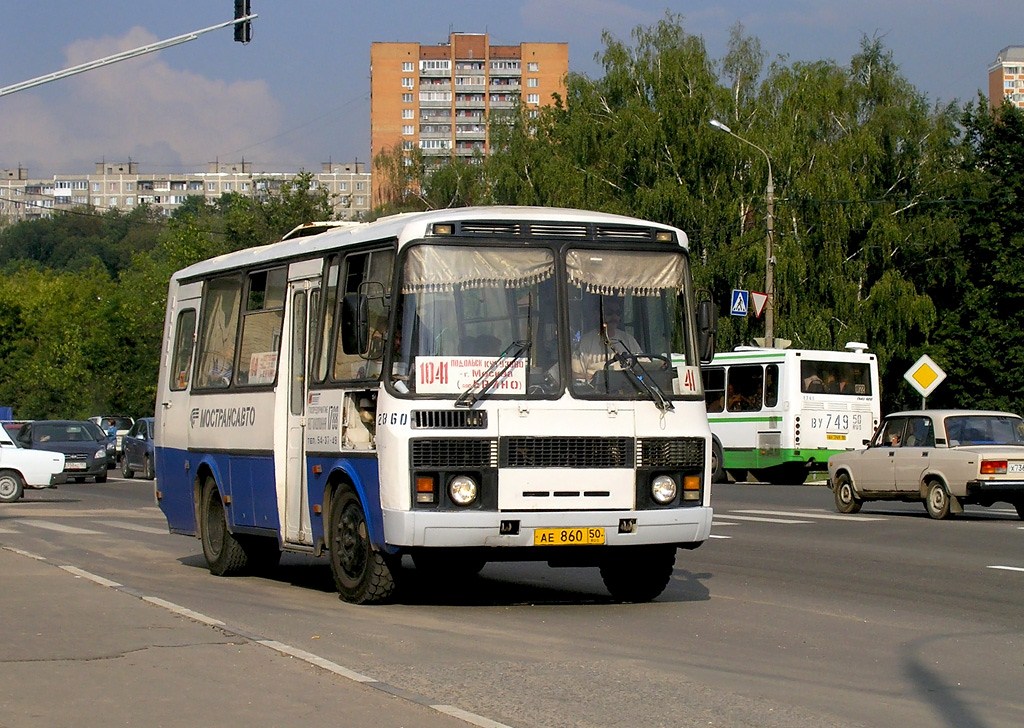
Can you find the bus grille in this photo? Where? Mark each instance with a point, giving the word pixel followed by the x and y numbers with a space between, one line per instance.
pixel 449 419
pixel 454 453
pixel 567 452
pixel 671 452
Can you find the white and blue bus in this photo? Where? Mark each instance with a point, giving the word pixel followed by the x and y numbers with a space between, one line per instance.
pixel 452 386
pixel 779 414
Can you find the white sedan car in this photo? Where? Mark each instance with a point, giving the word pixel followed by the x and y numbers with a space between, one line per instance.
pixel 20 468
pixel 945 458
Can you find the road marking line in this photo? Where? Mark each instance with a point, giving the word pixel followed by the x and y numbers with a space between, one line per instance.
pixel 763 520
pixel 183 611
pixel 715 535
pixel 1008 568
pixel 29 554
pixel 468 717
pixel 723 523
pixel 797 514
pixel 87 575
pixel 316 660
pixel 8 531
pixel 60 527
pixel 135 527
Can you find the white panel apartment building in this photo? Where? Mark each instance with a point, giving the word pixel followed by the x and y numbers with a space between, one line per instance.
pixel 121 186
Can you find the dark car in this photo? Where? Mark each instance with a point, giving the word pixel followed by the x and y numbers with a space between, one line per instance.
pixel 84 455
pixel 108 441
pixel 13 427
pixel 137 454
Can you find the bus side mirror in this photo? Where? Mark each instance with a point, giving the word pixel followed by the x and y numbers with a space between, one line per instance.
pixel 707 328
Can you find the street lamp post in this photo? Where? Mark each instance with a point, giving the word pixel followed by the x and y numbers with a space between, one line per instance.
pixel 769 270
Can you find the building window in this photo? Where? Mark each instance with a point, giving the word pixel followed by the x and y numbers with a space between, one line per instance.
pixel 407 82
pixel 406 145
pixel 228 186
pixel 407 129
pixel 533 98
pixel 129 201
pixel 406 98
pixel 407 113
pixel 343 186
pixel 533 66
pixel 407 66
pixel 211 186
pixel 532 82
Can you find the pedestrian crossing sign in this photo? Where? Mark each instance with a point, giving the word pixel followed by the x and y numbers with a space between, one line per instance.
pixel 740 300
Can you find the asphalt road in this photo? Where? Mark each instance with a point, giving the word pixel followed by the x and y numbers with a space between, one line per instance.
pixel 791 615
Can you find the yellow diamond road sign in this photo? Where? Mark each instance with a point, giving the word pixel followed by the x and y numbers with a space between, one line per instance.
pixel 925 375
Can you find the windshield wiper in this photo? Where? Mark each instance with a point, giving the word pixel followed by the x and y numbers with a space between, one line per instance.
pixel 493 373
pixel 643 380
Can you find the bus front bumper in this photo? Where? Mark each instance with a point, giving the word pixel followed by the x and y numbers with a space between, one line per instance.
pixel 444 529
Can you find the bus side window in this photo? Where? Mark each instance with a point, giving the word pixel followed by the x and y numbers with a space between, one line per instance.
pixel 184 344
pixel 771 385
pixel 714 388
pixel 745 388
pixel 221 301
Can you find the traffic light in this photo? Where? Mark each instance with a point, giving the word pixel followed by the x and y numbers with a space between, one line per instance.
pixel 243 31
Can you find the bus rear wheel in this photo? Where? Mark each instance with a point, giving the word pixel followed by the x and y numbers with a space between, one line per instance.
pixel 224 554
pixel 362 575
pixel 638 573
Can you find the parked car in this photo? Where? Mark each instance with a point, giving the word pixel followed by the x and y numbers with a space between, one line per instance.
pixel 116 425
pixel 138 454
pixel 944 458
pixel 20 468
pixel 84 456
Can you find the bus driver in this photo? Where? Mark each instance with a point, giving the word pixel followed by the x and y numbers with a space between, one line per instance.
pixel 606 342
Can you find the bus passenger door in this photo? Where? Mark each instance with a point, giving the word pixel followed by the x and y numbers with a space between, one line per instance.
pixel 294 372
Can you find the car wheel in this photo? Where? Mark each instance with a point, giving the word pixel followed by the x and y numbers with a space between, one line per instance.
pixel 11 486
pixel 638 573
pixel 126 471
pixel 147 469
pixel 361 573
pixel 846 499
pixel 224 554
pixel 937 500
pixel 717 468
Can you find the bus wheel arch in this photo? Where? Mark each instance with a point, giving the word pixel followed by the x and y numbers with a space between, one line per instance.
pixel 222 550
pixel 362 574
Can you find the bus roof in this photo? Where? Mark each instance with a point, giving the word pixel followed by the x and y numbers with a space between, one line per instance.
pixel 404 227
pixel 758 353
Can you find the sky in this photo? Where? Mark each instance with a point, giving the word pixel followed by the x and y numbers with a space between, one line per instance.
pixel 298 95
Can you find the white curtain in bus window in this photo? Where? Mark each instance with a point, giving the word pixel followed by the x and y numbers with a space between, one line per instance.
pixel 633 273
pixel 261 327
pixel 184 343
pixel 221 299
pixel 430 269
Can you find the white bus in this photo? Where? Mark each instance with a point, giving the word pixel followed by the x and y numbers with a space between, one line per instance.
pixel 780 413
pixel 428 385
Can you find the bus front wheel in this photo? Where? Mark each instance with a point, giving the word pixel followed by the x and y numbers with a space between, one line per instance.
pixel 638 573
pixel 361 574
pixel 224 554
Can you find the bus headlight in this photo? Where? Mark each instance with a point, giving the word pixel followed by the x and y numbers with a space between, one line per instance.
pixel 663 489
pixel 463 490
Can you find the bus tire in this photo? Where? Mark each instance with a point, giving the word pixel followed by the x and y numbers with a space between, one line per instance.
pixel 11 486
pixel 224 554
pixel 638 573
pixel 846 499
pixel 936 501
pixel 362 575
pixel 717 467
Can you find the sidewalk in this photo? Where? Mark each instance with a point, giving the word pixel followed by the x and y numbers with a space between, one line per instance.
pixel 75 652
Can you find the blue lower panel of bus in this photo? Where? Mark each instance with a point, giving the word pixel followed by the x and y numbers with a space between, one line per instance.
pixel 364 475
pixel 247 479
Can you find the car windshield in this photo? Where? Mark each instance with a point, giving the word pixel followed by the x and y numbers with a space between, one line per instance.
pixel 72 432
pixel 984 430
pixel 94 429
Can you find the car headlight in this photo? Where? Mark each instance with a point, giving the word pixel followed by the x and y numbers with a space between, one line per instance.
pixel 100 454
pixel 664 489
pixel 463 490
